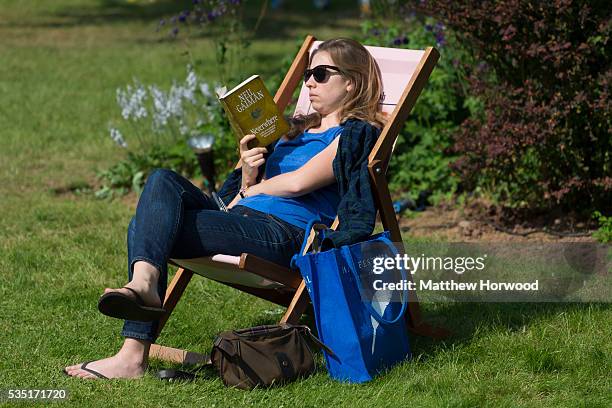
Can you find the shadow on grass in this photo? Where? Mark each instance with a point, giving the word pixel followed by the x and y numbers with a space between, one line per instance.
pixel 282 23
pixel 465 320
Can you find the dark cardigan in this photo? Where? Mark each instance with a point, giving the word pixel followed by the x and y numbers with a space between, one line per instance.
pixel 356 210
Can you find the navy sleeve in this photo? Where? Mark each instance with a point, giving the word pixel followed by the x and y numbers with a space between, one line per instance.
pixel 356 210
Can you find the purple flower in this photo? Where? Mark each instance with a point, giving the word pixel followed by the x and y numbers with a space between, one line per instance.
pixel 162 22
pixel 375 32
pixel 440 40
pixel 428 27
pixel 196 2
pixel 440 26
pixel 397 41
pixel 175 31
pixel 182 18
pixel 405 40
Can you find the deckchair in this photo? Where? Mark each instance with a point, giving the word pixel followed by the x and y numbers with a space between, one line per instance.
pixel 405 73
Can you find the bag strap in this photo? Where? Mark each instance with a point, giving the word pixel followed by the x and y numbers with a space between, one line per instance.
pixel 306 330
pixel 226 346
pixel 354 271
pixel 316 225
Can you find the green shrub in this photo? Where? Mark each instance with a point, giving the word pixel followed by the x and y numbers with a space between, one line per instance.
pixel 131 173
pixel 544 140
pixel 604 233
pixel 155 126
pixel 422 154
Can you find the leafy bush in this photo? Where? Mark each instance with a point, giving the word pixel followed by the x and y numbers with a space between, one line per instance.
pixel 157 125
pixel 131 173
pixel 160 122
pixel 422 154
pixel 543 139
pixel 604 233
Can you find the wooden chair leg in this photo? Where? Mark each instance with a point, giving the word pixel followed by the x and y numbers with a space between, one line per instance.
pixel 173 295
pixel 174 355
pixel 298 305
pixel 416 325
pixel 414 320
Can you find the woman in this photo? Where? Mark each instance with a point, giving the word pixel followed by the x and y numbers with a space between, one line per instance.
pixel 174 219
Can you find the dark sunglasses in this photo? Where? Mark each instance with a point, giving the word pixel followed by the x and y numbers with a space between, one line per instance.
pixel 320 73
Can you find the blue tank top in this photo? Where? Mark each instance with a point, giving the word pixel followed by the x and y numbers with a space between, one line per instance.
pixel 289 155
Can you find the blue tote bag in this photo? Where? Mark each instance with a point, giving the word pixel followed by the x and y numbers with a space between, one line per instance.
pixel 366 335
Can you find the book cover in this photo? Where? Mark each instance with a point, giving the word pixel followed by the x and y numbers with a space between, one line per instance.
pixel 251 110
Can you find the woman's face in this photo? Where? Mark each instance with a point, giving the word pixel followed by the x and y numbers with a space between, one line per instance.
pixel 327 97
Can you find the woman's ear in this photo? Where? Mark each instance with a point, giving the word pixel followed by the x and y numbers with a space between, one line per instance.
pixel 349 86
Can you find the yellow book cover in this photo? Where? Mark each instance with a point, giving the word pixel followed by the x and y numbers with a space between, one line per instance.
pixel 251 110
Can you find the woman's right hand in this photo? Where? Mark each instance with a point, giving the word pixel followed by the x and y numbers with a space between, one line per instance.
pixel 252 159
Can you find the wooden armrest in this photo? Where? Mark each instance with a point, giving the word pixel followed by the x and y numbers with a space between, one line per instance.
pixel 270 270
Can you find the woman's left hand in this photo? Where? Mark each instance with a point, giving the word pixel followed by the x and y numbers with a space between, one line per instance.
pixel 252 159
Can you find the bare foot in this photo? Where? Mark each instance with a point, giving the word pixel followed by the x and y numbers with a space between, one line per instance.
pixel 130 362
pixel 116 366
pixel 149 295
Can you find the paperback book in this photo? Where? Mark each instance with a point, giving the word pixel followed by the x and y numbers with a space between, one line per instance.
pixel 251 109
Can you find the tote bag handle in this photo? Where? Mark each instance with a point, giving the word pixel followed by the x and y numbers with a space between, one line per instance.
pixel 316 224
pixel 374 313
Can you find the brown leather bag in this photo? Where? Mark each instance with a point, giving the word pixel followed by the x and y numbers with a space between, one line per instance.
pixel 264 355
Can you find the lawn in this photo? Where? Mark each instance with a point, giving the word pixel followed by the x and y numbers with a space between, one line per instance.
pixel 60 64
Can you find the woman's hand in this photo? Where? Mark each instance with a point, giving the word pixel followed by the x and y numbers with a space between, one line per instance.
pixel 252 159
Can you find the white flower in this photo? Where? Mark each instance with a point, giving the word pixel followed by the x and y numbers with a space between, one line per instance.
pixel 205 89
pixel 187 93
pixel 160 107
pixel 192 79
pixel 117 137
pixel 131 100
pixel 180 105
pixel 175 100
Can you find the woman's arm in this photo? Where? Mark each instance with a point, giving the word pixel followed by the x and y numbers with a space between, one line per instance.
pixel 314 174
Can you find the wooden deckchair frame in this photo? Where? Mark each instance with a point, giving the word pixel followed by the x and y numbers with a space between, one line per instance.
pixel 293 294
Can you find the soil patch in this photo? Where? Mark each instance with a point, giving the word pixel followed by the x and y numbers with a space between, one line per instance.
pixel 480 221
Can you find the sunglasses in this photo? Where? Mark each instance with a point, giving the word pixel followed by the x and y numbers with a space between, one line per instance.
pixel 320 73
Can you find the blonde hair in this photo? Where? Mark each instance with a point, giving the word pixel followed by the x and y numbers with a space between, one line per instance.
pixel 364 101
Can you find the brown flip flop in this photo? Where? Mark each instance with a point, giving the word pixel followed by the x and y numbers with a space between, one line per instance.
pixel 121 306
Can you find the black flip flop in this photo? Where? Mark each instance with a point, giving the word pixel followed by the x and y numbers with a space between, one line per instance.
pixel 121 306
pixel 89 370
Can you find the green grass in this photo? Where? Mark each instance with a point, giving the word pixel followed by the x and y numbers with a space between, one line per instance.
pixel 61 62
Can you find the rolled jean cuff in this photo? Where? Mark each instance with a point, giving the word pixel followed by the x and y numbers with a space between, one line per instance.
pixel 147 260
pixel 138 336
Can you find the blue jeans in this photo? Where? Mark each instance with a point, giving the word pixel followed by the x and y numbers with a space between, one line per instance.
pixel 174 219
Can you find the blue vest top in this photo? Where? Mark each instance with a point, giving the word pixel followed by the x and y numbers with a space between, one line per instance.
pixel 289 155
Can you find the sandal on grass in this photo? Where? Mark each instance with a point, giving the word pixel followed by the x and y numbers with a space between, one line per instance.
pixel 89 370
pixel 122 306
